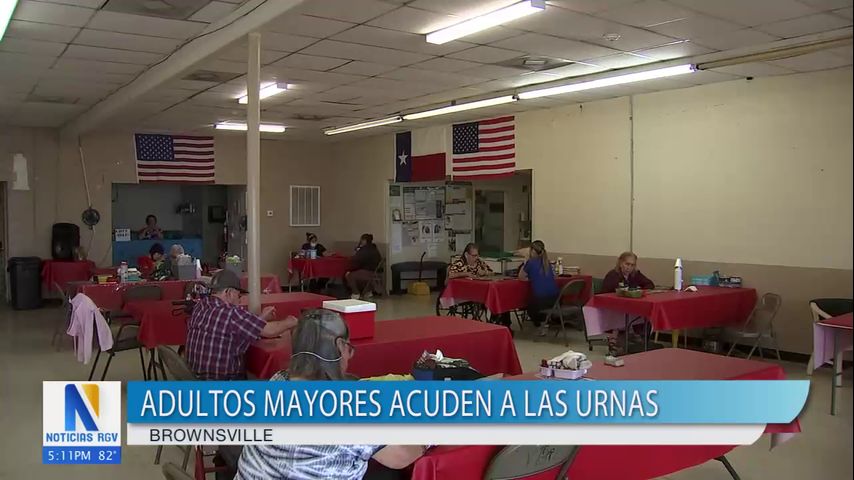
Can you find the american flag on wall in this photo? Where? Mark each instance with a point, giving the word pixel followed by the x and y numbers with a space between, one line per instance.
pixel 484 149
pixel 174 158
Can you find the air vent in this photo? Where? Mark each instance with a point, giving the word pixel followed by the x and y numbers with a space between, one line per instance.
pixel 52 99
pixel 532 63
pixel 174 9
pixel 211 76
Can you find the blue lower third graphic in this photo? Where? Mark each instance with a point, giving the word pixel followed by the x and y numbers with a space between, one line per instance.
pixel 81 455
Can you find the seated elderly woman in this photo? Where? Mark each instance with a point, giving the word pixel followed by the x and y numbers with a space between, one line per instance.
pixel 626 274
pixel 322 350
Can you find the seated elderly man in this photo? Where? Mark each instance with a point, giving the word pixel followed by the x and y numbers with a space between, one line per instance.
pixel 220 330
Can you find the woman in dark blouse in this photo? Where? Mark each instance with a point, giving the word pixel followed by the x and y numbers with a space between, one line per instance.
pixel 626 274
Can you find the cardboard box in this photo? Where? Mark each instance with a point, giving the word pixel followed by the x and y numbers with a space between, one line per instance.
pixel 359 316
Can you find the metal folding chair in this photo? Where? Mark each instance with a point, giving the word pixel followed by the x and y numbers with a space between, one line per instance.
pixel 180 371
pixel 566 310
pixel 759 326
pixel 518 462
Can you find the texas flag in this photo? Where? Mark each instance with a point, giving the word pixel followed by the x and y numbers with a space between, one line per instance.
pixel 420 155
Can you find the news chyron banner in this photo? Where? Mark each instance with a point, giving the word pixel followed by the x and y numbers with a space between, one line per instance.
pixel 493 412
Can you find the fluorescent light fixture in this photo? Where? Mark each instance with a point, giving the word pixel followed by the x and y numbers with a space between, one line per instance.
pixel 266 91
pixel 608 82
pixel 360 126
pixel 487 20
pixel 264 127
pixel 7 7
pixel 489 102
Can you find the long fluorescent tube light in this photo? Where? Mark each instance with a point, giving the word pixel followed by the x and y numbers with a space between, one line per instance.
pixel 7 7
pixel 487 20
pixel 609 81
pixel 264 127
pixel 360 126
pixel 461 107
pixel 266 91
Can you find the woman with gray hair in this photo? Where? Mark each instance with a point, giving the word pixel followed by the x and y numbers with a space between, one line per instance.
pixel 321 351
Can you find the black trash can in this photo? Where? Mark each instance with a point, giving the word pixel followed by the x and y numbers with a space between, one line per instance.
pixel 25 282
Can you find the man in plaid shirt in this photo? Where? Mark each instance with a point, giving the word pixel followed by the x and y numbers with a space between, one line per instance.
pixel 220 331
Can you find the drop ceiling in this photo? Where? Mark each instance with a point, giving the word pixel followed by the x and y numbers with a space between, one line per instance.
pixel 348 61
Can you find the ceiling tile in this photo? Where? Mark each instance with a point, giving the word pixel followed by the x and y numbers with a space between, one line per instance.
pixel 355 11
pixel 676 50
pixel 813 61
pixel 306 25
pixel 310 62
pixel 126 41
pixel 578 26
pixel 754 12
pixel 35 47
pixel 413 20
pixel 310 77
pixel 645 13
pixel 88 75
pixel 369 69
pixel 96 4
pixel 463 9
pixel 554 47
pixel 331 48
pixel 574 70
pixel 156 27
pixel 240 53
pixel 620 60
pixel 735 39
pixel 827 4
pixel 491 72
pixel 96 66
pixel 444 64
pixel 222 66
pixel 438 78
pixel 844 12
pixel 41 12
pixel 484 54
pixel 411 42
pixel 23 61
pixel 212 12
pixel 755 69
pixel 591 6
pixel 820 22
pixel 111 55
pixel 40 31
pixel 696 26
pixel 844 52
pixel 283 42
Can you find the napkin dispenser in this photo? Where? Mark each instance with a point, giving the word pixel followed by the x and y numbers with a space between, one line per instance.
pixel 357 314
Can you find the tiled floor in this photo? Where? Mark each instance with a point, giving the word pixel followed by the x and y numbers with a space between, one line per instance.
pixel 822 451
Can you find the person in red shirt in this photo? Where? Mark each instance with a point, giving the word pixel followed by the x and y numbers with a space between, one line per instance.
pixel 626 274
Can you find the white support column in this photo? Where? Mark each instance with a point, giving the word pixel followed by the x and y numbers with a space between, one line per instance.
pixel 253 171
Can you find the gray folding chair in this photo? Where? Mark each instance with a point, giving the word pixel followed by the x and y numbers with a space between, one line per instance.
pixel 759 326
pixel 180 371
pixel 823 308
pixel 567 310
pixel 124 339
pixel 518 462
pixel 173 472
pixel 377 281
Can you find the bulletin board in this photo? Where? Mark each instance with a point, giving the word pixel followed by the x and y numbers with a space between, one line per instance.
pixel 428 218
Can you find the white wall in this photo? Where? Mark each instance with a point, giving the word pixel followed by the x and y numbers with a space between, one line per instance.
pixel 747 171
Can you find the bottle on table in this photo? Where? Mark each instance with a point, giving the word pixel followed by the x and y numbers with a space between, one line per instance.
pixel 123 272
pixel 559 266
pixel 677 275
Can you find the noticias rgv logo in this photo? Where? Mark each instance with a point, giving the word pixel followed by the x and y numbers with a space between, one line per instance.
pixel 83 403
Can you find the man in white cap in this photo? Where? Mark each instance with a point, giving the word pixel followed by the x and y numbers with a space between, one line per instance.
pixel 220 330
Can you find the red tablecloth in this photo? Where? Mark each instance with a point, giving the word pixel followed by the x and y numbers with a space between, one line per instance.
pixel 501 296
pixel 269 283
pixel 707 307
pixel 160 326
pixel 108 296
pixel 397 344
pixel 623 462
pixel 323 267
pixel 63 271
